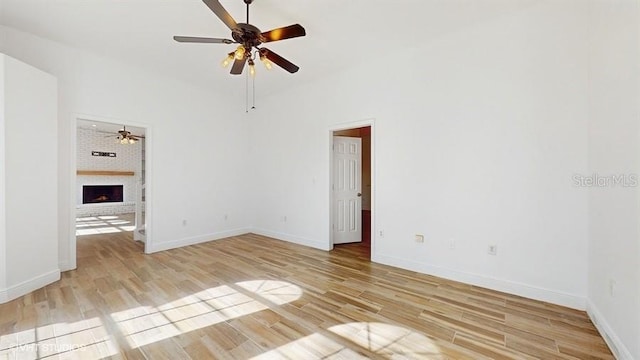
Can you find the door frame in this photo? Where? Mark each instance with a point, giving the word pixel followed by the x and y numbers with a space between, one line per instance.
pixel 148 248
pixel 346 126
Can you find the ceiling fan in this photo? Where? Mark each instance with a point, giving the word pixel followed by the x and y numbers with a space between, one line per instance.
pixel 126 137
pixel 248 37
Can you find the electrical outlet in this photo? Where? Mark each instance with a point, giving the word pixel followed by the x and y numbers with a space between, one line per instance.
pixel 184 222
pixel 419 238
pixel 492 250
pixel 226 217
pixel 381 233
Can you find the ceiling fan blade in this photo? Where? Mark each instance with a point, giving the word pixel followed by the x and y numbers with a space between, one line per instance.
pixel 283 33
pixel 238 66
pixel 279 60
pixel 220 12
pixel 203 40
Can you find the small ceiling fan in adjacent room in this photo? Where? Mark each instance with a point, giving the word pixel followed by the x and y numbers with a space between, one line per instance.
pixel 249 37
pixel 126 137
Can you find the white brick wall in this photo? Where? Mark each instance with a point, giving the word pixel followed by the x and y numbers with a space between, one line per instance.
pixel 128 158
pixel 105 209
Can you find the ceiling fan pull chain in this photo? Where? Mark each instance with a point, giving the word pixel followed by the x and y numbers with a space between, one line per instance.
pixel 254 94
pixel 246 98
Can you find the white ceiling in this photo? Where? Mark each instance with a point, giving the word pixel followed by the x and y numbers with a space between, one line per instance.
pixel 340 33
pixel 108 128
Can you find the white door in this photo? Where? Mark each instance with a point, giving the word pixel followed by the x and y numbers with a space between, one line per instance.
pixel 140 233
pixel 347 190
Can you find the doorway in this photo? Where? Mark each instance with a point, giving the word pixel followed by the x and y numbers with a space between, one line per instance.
pixel 352 187
pixel 110 181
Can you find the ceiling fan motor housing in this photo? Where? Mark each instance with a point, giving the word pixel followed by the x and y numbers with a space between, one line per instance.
pixel 247 35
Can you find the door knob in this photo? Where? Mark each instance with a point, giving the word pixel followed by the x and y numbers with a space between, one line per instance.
pixel 359 194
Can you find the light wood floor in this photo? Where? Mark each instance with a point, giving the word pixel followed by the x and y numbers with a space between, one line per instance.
pixel 251 296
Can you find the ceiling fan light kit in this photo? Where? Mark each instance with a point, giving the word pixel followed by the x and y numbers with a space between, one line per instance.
pixel 265 61
pixel 125 137
pixel 249 37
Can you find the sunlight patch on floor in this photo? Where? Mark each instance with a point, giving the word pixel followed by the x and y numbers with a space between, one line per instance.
pixel 315 346
pixel 277 292
pixel 85 339
pixel 105 224
pixel 146 325
pixel 388 340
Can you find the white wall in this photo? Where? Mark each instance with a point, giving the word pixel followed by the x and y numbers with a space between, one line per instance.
pixel 477 135
pixel 197 155
pixel 614 131
pixel 30 178
pixel 3 201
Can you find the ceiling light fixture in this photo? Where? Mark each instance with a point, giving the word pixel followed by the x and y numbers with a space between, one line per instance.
pixel 249 38
pixel 249 58
pixel 228 59
pixel 126 137
pixel 252 68
pixel 265 61
pixel 240 51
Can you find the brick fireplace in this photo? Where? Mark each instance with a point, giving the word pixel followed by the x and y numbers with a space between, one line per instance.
pixel 106 185
pixel 95 194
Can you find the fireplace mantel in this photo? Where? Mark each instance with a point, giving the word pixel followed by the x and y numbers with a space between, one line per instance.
pixel 105 172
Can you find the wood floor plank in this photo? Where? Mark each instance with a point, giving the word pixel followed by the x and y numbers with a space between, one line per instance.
pixel 584 352
pixel 251 296
pixel 530 349
pixel 539 340
pixel 490 350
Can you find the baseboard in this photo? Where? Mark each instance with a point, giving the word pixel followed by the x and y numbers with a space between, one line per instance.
pixel 168 245
pixel 65 266
pixel 511 287
pixel 25 287
pixel 619 350
pixel 292 239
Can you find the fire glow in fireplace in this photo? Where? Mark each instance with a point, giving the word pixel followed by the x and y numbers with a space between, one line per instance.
pixel 92 194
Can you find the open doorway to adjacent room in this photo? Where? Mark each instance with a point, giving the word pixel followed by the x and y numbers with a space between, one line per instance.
pixel 110 188
pixel 351 188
